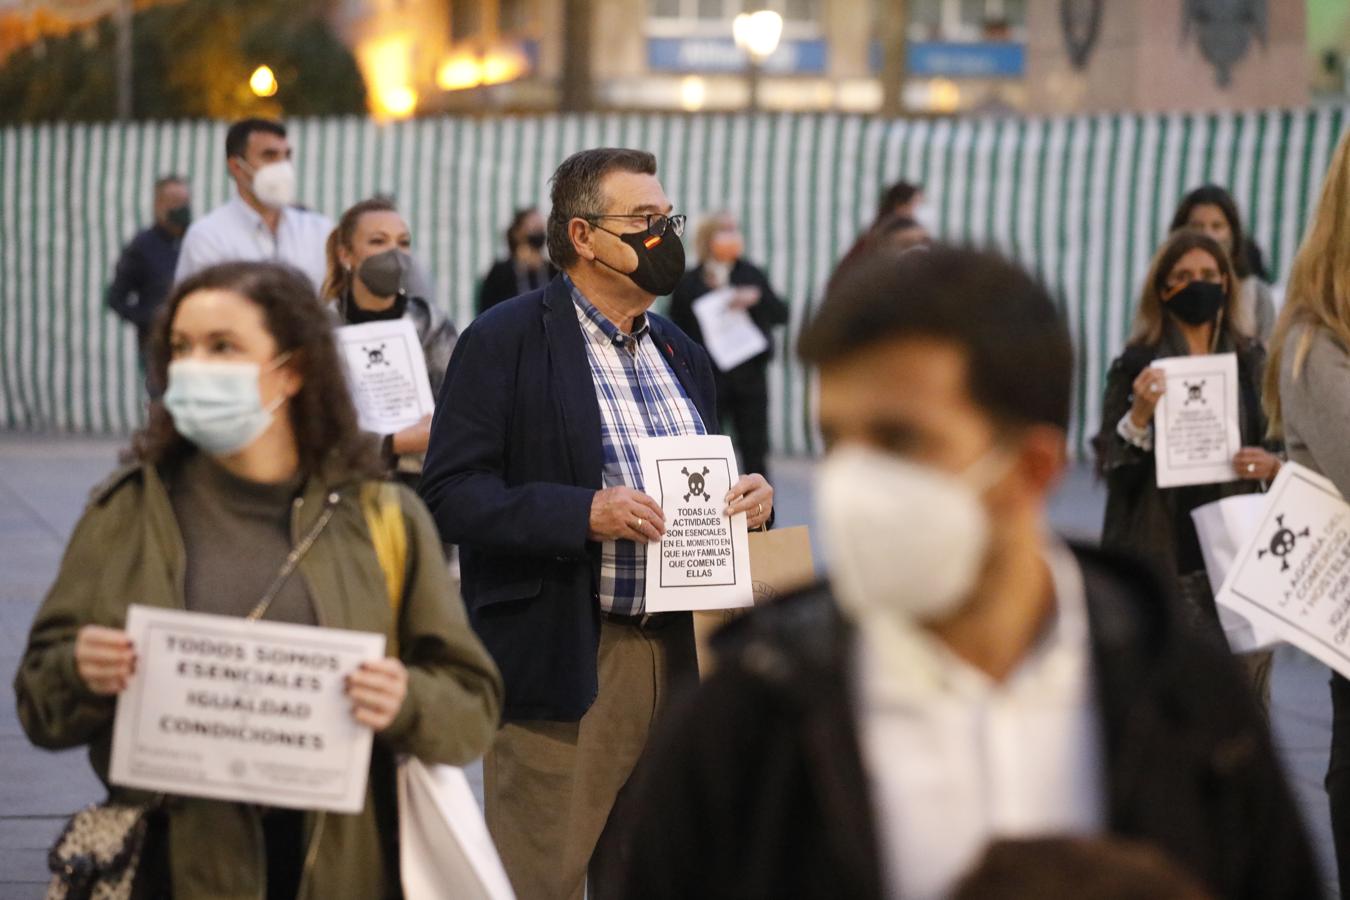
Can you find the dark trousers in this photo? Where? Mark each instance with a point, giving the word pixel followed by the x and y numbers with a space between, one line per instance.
pixel 1338 777
pixel 743 403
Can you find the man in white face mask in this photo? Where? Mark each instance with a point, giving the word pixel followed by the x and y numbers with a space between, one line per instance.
pixel 261 223
pixel 965 677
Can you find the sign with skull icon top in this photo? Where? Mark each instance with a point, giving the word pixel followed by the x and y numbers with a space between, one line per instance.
pixel 1292 578
pixel 1196 433
pixel 703 561
pixel 387 374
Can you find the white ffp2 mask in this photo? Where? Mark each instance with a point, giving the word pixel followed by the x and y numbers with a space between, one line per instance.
pixel 274 184
pixel 902 538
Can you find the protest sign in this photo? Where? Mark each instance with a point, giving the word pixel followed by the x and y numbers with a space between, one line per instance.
pixel 703 561
pixel 730 335
pixel 1196 422
pixel 253 712
pixel 1292 579
pixel 387 374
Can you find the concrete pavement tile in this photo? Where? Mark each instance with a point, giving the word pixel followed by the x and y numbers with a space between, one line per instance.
pixel 41 783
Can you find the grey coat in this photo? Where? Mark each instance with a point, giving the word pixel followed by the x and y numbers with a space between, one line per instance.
pixel 1317 404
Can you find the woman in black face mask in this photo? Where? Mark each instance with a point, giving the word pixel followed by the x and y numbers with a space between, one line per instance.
pixel 525 268
pixel 1185 310
pixel 369 265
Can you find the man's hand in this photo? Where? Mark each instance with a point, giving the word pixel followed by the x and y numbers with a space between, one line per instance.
pixel 745 297
pixel 752 495
pixel 623 514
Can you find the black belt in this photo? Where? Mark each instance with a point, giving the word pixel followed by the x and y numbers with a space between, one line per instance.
pixel 644 621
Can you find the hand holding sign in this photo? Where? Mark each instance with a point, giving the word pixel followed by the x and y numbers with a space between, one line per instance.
pixel 1196 433
pixel 752 495
pixel 105 659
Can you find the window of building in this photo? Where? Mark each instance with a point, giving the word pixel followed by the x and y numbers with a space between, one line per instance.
pixel 962 20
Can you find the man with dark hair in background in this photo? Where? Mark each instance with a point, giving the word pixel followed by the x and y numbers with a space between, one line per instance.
pixel 262 222
pixel 533 471
pixel 145 269
pixel 965 677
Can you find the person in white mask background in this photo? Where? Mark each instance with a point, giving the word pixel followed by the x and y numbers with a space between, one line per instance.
pixel 249 493
pixel 964 677
pixel 261 222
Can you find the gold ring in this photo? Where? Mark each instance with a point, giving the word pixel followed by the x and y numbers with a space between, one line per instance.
pixel 637 522
pixel 759 509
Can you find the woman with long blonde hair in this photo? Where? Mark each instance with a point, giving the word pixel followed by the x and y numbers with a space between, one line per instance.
pixel 1307 395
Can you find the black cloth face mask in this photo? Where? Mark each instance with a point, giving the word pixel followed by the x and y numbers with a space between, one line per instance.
pixel 179 217
pixel 660 260
pixel 536 239
pixel 1197 303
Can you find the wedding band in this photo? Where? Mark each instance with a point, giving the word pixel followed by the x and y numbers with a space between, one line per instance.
pixel 1251 467
pixel 637 522
pixel 1153 388
pixel 759 509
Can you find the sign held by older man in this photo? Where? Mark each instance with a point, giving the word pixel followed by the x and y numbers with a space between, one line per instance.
pixel 703 561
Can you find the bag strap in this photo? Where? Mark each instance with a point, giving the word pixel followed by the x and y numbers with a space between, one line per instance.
pixel 293 558
pixel 389 536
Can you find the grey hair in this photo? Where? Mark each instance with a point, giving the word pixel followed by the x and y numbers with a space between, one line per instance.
pixel 577 193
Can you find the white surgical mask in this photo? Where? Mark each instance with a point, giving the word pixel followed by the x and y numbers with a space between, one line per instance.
pixel 274 184
pixel 903 539
pixel 218 405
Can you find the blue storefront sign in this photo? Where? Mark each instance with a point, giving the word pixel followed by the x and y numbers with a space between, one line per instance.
pixel 712 55
pixel 950 59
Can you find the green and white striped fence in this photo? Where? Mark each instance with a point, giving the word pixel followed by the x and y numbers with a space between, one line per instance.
pixel 1081 201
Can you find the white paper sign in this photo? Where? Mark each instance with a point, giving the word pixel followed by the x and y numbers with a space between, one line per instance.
pixel 387 372
pixel 1196 423
pixel 1292 579
pixel 703 561
pixel 252 712
pixel 730 335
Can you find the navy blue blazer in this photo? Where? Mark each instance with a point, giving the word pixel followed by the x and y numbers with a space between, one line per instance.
pixel 514 462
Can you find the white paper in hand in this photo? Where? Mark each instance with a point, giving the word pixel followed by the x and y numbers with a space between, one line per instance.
pixel 703 561
pixel 1196 423
pixel 1292 579
pixel 387 373
pixel 730 335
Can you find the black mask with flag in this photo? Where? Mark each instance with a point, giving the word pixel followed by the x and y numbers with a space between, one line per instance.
pixel 660 260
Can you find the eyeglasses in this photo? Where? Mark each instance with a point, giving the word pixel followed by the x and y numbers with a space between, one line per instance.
pixel 657 224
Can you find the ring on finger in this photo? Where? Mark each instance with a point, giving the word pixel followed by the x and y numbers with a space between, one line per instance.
pixel 637 522
pixel 1251 467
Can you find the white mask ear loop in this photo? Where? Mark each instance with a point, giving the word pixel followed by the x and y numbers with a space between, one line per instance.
pixel 275 364
pixel 988 470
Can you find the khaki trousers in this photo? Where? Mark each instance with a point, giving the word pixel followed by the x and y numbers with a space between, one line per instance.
pixel 549 787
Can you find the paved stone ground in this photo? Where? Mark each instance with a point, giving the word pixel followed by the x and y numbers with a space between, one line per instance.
pixel 43 483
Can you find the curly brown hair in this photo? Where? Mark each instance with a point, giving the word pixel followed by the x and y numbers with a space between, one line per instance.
pixel 321 414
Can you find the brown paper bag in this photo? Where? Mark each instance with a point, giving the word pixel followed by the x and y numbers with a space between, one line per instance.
pixel 780 562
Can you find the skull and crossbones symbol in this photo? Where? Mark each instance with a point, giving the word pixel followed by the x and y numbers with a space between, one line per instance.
pixel 375 356
pixel 697 484
pixel 1282 543
pixel 1194 393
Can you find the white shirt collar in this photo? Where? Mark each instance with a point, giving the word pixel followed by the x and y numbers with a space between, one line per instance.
pixel 902 662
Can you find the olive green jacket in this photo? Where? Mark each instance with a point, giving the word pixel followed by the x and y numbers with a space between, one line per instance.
pixel 127 549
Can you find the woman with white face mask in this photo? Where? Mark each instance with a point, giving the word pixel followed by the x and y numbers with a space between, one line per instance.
pixel 252 481
pixel 370 279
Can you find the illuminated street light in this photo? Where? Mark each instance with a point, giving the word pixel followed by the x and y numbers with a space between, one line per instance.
pixel 757 34
pixel 262 82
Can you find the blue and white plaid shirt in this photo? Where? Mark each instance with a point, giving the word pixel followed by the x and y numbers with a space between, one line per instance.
pixel 639 396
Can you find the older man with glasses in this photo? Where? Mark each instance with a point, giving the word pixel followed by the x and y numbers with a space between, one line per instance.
pixel 533 470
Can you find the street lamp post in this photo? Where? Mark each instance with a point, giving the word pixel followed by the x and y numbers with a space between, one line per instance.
pixel 757 35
